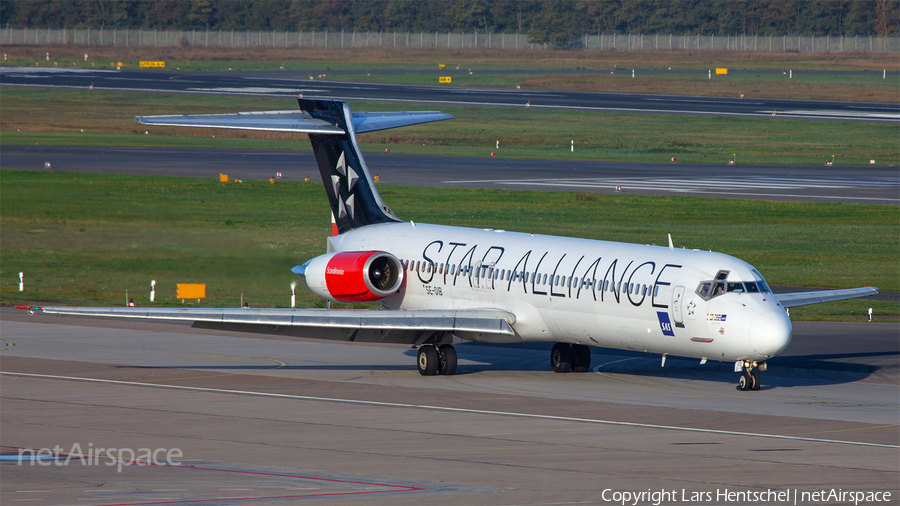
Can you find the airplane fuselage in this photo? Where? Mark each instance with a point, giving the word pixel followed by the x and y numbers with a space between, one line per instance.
pixel 597 293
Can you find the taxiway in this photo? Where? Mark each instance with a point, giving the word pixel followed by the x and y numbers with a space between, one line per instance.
pixel 260 419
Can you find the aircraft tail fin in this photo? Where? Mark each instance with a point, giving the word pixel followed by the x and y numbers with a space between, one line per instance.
pixel 332 130
pixel 354 200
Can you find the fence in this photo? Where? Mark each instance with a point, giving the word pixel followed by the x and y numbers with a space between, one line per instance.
pixel 326 39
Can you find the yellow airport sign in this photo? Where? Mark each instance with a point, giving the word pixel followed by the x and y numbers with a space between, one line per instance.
pixel 444 79
pixel 721 72
pixel 153 64
pixel 191 291
pixel 441 65
pixel 223 178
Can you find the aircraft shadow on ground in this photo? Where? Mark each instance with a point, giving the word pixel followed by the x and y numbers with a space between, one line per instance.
pixel 784 371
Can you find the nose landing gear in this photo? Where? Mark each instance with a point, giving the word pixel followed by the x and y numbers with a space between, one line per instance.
pixel 749 379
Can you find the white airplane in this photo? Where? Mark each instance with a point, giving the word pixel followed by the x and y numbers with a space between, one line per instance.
pixel 495 286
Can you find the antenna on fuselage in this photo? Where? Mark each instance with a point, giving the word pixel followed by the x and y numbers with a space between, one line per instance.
pixel 671 247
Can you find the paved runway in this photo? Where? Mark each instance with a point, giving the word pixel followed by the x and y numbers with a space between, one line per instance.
pixel 257 417
pixel 288 85
pixel 862 184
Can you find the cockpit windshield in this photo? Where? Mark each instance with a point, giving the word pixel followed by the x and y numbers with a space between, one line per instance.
pixel 713 288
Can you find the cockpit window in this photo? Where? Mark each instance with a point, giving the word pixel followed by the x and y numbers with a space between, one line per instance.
pixel 703 289
pixel 735 287
pixel 709 289
pixel 718 289
pixel 761 283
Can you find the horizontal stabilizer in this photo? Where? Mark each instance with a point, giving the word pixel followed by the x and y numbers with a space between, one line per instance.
pixel 294 121
pixel 273 121
pixel 373 121
pixel 806 298
pixel 487 321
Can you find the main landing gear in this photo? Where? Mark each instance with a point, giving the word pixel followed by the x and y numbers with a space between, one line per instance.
pixel 441 359
pixel 565 357
pixel 749 379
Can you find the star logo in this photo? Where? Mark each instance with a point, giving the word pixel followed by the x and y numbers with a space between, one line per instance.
pixel 346 206
pixel 690 308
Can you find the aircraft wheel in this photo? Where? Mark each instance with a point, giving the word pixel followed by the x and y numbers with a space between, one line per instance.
pixel 427 361
pixel 581 358
pixel 744 382
pixel 448 359
pixel 561 357
pixel 754 381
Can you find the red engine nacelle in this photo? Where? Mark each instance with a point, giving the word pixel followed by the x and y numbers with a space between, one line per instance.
pixel 357 276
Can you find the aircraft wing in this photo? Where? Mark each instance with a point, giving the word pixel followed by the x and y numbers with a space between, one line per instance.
pixel 806 298
pixel 366 325
pixel 294 121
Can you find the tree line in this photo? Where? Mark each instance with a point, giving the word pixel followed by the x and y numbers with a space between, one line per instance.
pixel 543 20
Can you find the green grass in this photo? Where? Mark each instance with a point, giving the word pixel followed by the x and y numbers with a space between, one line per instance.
pixel 57 117
pixel 87 238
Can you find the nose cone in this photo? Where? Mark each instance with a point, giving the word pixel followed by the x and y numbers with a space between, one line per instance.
pixel 770 333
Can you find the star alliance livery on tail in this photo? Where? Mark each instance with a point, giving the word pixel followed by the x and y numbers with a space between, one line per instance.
pixel 493 285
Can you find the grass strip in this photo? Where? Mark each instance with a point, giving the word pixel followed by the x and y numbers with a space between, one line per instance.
pixel 58 117
pixel 87 238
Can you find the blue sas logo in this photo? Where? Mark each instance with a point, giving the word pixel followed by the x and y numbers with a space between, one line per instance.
pixel 664 324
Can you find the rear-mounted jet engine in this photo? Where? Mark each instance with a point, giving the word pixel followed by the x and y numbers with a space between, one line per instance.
pixel 359 276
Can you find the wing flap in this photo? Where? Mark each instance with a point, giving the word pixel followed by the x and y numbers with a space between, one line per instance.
pixel 487 321
pixel 806 298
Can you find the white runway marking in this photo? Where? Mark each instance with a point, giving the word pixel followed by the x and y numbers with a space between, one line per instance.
pixel 453 410
pixel 713 186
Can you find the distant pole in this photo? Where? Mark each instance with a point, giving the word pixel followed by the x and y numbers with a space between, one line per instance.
pixel 710 74
pixel 790 74
pixel 870 314
pixel 573 146
pixel 21 281
pixel 152 290
pixel 293 297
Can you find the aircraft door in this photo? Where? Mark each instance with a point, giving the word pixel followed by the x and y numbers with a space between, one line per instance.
pixel 677 296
